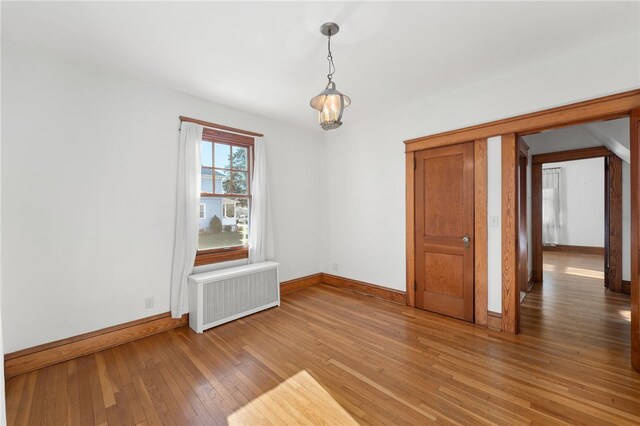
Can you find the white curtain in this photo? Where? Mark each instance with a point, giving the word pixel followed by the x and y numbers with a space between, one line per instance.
pixel 185 243
pixel 551 207
pixel 260 230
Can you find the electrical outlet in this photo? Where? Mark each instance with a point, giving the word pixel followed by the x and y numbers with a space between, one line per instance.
pixel 148 302
pixel 334 266
pixel 494 221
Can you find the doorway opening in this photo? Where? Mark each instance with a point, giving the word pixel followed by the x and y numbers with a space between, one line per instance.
pixel 580 236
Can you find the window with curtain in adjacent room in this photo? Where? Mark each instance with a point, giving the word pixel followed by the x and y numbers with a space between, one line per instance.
pixel 225 197
pixel 551 207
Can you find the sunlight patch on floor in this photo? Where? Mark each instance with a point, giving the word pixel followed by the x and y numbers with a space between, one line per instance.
pixel 298 400
pixel 588 273
pixel 626 314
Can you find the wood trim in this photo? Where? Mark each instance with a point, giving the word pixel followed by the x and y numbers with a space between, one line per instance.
pixel 603 108
pixel 221 255
pixel 613 204
pixel 634 123
pixel 214 135
pixel 570 155
pixel 607 221
pixel 575 249
pixel 523 237
pixel 73 347
pixel 480 232
pixel 536 221
pixel 494 321
pixel 290 286
pixel 510 291
pixel 530 281
pixel 372 290
pixel 219 126
pixel 626 287
pixel 410 227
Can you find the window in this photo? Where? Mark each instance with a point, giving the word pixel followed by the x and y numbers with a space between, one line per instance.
pixel 225 198
pixel 229 210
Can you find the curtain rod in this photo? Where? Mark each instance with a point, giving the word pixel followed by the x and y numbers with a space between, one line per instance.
pixel 220 127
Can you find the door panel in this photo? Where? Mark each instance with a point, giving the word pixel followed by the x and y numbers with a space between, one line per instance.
pixel 444 217
pixel 444 182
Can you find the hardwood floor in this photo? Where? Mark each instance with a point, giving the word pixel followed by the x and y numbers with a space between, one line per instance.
pixel 335 357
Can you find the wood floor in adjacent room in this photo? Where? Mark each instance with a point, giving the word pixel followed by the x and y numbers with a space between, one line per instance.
pixel 335 357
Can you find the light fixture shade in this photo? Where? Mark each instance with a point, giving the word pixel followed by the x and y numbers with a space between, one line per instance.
pixel 330 104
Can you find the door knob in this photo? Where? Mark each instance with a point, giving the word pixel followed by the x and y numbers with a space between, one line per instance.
pixel 465 241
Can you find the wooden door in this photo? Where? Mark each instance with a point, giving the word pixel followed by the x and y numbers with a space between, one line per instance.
pixel 523 241
pixel 444 228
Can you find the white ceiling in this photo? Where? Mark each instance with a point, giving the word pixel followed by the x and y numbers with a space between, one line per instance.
pixel 269 57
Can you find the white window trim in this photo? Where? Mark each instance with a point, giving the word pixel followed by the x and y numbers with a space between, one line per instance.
pixel 224 210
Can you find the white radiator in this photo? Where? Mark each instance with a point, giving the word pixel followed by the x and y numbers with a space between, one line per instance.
pixel 221 296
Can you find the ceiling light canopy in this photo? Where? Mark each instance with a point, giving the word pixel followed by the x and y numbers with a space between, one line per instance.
pixel 330 103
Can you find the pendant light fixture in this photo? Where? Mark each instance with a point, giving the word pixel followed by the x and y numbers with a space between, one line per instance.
pixel 330 103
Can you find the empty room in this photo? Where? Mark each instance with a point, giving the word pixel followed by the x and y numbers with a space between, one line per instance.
pixel 309 212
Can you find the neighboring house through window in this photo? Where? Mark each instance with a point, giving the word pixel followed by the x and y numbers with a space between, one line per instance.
pixel 226 165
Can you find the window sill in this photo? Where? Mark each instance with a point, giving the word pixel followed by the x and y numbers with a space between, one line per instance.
pixel 207 257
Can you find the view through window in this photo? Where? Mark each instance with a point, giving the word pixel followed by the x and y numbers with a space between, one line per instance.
pixel 225 194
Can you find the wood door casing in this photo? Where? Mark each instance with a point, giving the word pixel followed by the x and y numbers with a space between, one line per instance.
pixel 634 123
pixel 444 206
pixel 613 234
pixel 523 241
pixel 510 320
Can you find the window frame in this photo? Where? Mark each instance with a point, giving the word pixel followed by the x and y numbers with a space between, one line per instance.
pixel 224 254
pixel 225 214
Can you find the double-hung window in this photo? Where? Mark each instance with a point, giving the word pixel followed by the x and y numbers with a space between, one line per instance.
pixel 225 198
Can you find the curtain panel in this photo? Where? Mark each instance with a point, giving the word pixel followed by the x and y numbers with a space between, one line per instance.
pixel 261 246
pixel 185 244
pixel 551 206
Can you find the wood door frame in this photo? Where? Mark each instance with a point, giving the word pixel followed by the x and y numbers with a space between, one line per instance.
pixel 427 242
pixel 625 104
pixel 613 277
pixel 510 292
pixel 480 230
pixel 635 236
pixel 523 216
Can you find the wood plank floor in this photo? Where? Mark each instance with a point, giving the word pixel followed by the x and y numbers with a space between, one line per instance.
pixel 329 356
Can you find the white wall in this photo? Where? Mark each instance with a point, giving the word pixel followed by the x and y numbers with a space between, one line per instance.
pixel 88 194
pixel 3 412
pixel 626 222
pixel 494 225
pixel 581 202
pixel 364 160
pixel 563 139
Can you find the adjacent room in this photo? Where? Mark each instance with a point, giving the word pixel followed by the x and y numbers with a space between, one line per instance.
pixel 310 212
pixel 583 200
